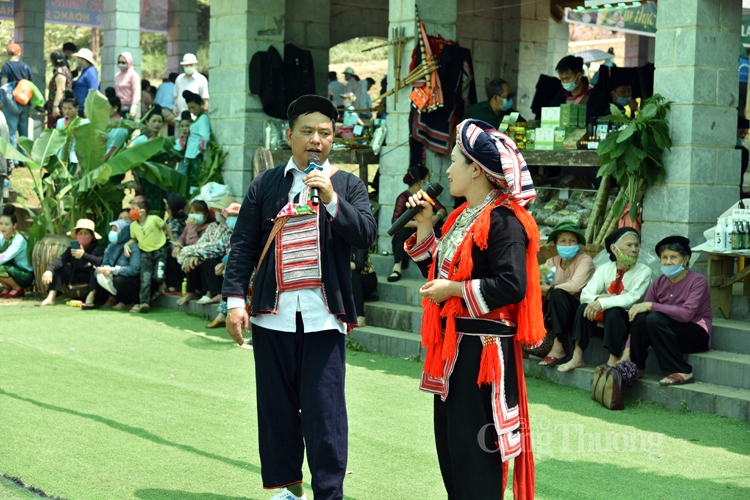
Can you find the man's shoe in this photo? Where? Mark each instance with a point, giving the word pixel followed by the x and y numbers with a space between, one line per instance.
pixel 144 308
pixel 285 494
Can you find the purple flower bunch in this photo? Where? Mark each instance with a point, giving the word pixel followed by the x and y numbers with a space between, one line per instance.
pixel 628 372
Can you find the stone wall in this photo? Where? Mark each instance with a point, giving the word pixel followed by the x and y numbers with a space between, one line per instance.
pixel 182 34
pixel 696 68
pixel 122 33
pixel 238 30
pixel 307 27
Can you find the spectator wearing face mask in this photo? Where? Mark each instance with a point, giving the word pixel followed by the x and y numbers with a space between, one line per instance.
pixel 574 85
pixel 200 260
pixel 190 80
pixel 117 281
pixel 75 266
pixel 128 85
pixel 199 217
pixel 498 104
pixel 87 80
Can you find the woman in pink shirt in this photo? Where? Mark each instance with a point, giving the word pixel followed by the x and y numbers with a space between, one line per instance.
pixel 675 317
pixel 128 85
pixel 573 270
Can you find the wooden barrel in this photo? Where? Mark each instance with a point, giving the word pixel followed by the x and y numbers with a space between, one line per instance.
pixel 45 252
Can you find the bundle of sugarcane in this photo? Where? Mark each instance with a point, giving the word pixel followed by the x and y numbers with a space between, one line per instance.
pixel 599 209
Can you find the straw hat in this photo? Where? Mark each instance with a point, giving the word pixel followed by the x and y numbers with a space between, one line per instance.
pixel 84 224
pixel 232 210
pixel 85 54
pixel 222 204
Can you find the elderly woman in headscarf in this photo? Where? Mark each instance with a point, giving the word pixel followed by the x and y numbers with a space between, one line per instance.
pixel 605 300
pixel 675 318
pixel 481 302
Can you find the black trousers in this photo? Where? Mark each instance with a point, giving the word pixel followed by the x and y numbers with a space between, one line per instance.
pixel 471 471
pixel 614 333
pixel 128 289
pixel 562 314
pixel 71 275
pixel 670 340
pixel 153 265
pixel 299 380
pixel 363 285
pixel 203 278
pixel 175 274
pixel 398 241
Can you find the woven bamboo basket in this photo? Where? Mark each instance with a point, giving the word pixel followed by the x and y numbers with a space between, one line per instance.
pixel 45 252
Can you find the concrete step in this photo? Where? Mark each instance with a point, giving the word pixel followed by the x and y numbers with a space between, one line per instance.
pixel 393 316
pixel 383 265
pixel 403 291
pixel 731 335
pixel 740 309
pixel 700 396
pixel 170 302
pixel 388 342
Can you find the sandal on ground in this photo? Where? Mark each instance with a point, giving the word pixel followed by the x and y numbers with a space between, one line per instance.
pixel 121 306
pixel 677 379
pixel 216 324
pixel 14 294
pixel 395 276
pixel 549 361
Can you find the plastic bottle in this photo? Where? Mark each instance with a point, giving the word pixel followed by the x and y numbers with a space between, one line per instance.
pixel 6 189
pixel 74 303
pixel 719 235
pixel 735 235
pixel 184 286
pixel 727 234
pixel 746 236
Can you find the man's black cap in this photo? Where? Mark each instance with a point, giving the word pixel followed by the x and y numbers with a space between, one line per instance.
pixel 311 103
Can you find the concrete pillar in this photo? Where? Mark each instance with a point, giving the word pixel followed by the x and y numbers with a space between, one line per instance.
pixel 525 30
pixel 308 27
pixel 439 18
pixel 29 34
pixel 479 30
pixel 238 30
pixel 559 36
pixel 182 32
pixel 637 49
pixel 122 32
pixel 696 68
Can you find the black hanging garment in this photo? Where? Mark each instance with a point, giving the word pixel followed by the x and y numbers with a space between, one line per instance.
pixel 266 78
pixel 299 72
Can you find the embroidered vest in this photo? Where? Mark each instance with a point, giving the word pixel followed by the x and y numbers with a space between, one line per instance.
pixel 298 249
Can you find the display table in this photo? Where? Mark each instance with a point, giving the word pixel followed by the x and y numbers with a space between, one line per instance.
pixel 721 277
pixel 361 157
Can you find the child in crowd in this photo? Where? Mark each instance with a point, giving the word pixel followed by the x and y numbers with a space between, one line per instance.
pixel 124 215
pixel 197 140
pixel 70 121
pixel 351 117
pixel 148 231
pixel 186 119
pixel 16 272
pixel 154 122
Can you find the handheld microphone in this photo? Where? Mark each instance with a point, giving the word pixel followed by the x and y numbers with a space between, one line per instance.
pixel 429 194
pixel 312 164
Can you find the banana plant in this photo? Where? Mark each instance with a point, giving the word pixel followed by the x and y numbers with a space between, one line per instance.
pixel 63 199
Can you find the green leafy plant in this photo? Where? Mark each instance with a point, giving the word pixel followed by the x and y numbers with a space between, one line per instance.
pixel 213 160
pixel 632 155
pixel 64 199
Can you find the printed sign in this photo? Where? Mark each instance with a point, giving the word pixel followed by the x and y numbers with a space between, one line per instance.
pixel 90 13
pixel 640 20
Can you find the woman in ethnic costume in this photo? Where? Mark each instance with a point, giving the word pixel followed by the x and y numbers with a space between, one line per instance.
pixel 481 302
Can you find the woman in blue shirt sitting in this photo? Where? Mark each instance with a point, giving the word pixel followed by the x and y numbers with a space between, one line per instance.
pixel 197 141
pixel 15 271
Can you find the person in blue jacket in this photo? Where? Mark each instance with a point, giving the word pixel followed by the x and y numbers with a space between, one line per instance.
pixel 88 79
pixel 118 280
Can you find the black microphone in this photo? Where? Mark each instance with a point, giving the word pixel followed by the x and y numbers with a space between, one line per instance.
pixel 430 194
pixel 312 163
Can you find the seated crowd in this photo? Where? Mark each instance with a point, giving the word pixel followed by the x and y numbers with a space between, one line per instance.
pixel 186 253
pixel 619 303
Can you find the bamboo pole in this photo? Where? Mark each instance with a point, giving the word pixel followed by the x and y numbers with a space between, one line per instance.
pixel 600 207
pixel 604 231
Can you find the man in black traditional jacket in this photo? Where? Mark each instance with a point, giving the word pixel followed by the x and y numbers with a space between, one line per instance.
pixel 302 302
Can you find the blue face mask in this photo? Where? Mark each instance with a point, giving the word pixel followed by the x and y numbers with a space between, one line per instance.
pixel 567 253
pixel 231 222
pixel 112 236
pixel 672 271
pixel 623 101
pixel 507 104
pixel 570 86
pixel 198 218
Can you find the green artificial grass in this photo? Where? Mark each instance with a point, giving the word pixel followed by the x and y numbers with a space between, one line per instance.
pixel 108 405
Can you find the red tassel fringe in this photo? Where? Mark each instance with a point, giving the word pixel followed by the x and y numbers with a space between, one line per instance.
pixel 489 367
